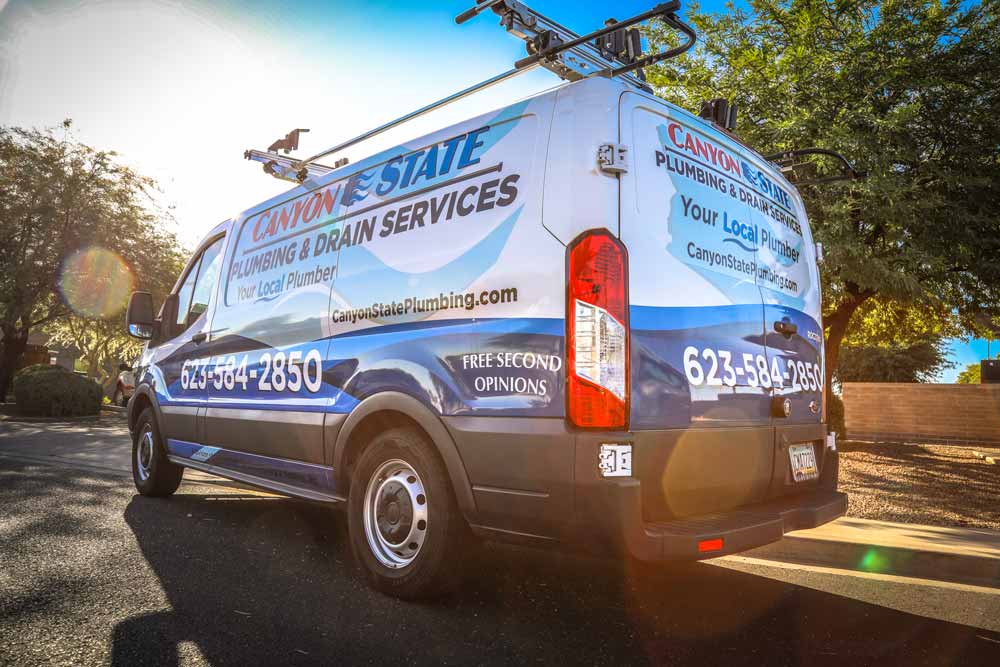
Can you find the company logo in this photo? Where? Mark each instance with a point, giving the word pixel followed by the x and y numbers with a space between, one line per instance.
pixel 759 181
pixel 703 149
pixel 411 169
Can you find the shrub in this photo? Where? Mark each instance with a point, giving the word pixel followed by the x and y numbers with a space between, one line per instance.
pixel 44 390
pixel 835 416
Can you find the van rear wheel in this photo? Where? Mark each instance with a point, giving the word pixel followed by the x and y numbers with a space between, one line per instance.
pixel 405 527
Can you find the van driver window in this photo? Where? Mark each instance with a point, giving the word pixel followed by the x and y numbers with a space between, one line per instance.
pixel 196 291
pixel 208 276
pixel 184 294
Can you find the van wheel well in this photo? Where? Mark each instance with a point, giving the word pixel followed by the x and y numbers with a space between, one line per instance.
pixel 140 403
pixel 363 433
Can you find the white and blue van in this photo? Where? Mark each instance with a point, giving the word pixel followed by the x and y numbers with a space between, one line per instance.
pixel 589 318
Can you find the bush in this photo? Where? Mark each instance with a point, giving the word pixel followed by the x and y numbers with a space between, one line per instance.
pixel 835 416
pixel 43 390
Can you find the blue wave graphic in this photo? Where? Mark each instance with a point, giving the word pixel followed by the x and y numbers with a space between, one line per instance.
pixel 365 279
pixel 739 243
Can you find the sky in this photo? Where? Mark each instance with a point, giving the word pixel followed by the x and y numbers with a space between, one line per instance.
pixel 181 88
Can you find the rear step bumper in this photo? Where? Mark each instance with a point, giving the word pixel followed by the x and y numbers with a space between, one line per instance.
pixel 739 529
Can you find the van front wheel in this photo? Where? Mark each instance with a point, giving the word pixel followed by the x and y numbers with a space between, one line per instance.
pixel 152 473
pixel 406 530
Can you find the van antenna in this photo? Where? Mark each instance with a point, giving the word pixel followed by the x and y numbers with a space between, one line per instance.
pixel 613 51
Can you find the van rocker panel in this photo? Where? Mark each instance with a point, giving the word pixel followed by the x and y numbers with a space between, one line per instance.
pixel 294 478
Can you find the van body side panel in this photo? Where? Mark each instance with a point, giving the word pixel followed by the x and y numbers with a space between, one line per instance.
pixel 458 301
pixel 270 333
pixel 457 297
pixel 425 271
pixel 578 196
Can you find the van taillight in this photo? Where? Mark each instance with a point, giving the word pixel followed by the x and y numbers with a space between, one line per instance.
pixel 597 346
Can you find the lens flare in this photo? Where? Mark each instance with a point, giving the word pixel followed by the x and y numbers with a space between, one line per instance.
pixel 874 561
pixel 96 282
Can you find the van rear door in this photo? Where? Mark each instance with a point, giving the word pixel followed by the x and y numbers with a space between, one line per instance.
pixel 698 354
pixel 789 283
pixel 699 373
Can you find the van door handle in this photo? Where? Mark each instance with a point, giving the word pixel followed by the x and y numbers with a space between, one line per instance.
pixel 787 329
pixel 199 338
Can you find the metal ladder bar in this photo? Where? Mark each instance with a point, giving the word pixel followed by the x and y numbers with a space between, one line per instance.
pixel 499 78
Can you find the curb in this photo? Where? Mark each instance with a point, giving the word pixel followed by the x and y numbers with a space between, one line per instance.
pixel 18 419
pixel 952 566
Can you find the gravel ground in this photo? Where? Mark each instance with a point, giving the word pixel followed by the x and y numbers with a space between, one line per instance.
pixel 939 485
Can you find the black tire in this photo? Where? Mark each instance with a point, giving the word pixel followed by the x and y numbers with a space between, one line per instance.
pixel 159 477
pixel 119 397
pixel 434 568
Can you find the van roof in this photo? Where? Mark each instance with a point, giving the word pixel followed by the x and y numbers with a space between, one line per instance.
pixel 614 87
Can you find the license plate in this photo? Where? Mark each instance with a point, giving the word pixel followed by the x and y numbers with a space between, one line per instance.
pixel 803 459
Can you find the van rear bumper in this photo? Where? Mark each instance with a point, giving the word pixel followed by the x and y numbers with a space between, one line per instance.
pixel 536 481
pixel 616 512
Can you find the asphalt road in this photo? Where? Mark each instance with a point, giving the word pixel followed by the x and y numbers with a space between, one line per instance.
pixel 92 573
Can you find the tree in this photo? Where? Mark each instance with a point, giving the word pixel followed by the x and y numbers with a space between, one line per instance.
pixel 893 343
pixel 907 89
pixel 973 374
pixel 96 326
pixel 919 362
pixel 58 197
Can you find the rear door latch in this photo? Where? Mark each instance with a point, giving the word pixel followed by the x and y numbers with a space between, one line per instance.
pixel 612 158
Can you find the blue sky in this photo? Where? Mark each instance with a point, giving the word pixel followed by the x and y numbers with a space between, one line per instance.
pixel 965 353
pixel 180 88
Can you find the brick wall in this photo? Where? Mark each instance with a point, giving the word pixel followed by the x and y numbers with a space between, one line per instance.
pixel 947 413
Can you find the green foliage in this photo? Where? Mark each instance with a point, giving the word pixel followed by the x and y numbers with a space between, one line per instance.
pixel 973 374
pixel 907 89
pixel 920 362
pixel 893 343
pixel 53 391
pixel 881 322
pixel 57 197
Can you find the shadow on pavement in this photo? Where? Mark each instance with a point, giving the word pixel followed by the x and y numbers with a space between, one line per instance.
pixel 257 580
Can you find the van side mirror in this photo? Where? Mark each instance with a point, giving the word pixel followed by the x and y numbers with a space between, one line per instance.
pixel 139 316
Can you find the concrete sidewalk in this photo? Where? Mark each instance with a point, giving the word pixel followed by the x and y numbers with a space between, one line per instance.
pixel 961 555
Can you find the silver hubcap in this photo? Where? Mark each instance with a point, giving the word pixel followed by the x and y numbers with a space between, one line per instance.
pixel 144 454
pixel 395 514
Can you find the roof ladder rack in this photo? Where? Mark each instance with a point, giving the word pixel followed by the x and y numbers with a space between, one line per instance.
pixel 611 51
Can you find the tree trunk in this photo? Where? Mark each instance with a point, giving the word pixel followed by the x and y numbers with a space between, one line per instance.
pixel 836 324
pixel 93 367
pixel 15 341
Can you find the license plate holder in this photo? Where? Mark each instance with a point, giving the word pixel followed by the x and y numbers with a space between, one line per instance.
pixel 803 460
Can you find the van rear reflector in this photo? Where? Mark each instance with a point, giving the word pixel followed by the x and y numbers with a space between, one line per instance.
pixel 705 546
pixel 597 337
